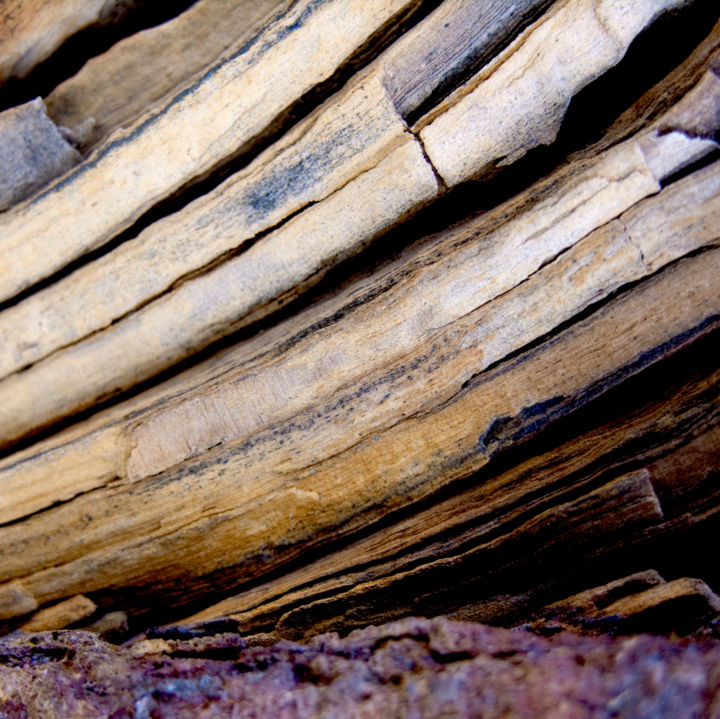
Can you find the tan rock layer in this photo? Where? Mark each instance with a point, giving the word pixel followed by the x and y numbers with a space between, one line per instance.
pixel 60 615
pixel 372 577
pixel 279 487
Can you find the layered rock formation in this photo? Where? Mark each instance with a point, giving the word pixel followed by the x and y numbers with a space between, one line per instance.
pixel 328 313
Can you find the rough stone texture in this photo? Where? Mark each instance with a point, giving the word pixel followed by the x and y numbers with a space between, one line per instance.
pixel 32 152
pixel 412 668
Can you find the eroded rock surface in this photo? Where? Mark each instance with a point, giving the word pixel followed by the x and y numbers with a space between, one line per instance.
pixel 411 668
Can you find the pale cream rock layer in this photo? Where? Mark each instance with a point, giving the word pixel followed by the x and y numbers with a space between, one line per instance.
pixel 337 142
pixel 519 100
pixel 113 89
pixel 201 127
pixel 341 140
pixel 212 305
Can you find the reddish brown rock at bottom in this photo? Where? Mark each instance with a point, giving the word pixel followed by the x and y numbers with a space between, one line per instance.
pixel 411 668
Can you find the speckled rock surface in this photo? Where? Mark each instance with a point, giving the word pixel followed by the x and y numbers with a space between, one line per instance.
pixel 411 668
pixel 32 152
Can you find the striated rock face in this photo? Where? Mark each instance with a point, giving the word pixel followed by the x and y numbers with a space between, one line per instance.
pixel 316 314
pixel 411 668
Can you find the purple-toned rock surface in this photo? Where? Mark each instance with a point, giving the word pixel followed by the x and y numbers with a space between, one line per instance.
pixel 412 668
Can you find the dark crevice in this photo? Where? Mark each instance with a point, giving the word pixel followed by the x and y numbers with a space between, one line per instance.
pixel 34 656
pixel 182 633
pixel 67 60
pixel 442 187
pixel 652 56
pixel 624 590
pixel 454 657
